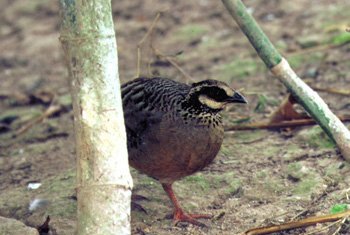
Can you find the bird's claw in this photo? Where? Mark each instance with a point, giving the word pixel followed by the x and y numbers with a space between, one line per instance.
pixel 190 218
pixel 135 206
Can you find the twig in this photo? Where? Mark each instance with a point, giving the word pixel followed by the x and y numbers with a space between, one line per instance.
pixel 340 225
pixel 173 63
pixel 279 125
pixel 315 201
pixel 333 91
pixel 52 109
pixel 298 224
pixel 19 97
pixel 317 231
pixel 157 52
pixel 346 194
pixel 312 49
pixel 139 44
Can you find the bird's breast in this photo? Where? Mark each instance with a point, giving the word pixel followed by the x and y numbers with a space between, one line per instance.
pixel 175 149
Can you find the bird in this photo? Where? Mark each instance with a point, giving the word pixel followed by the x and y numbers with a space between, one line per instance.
pixel 174 129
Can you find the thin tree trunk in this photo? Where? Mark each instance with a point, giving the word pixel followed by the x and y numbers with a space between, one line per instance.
pixel 103 178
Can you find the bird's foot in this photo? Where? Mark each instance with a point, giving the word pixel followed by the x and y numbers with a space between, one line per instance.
pixel 135 206
pixel 180 216
pixel 137 197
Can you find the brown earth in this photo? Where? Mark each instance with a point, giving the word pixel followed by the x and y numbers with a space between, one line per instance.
pixel 259 177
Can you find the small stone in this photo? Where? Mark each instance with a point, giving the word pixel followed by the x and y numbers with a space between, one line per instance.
pixel 34 185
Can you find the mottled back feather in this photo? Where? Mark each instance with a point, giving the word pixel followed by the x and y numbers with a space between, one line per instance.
pixel 145 101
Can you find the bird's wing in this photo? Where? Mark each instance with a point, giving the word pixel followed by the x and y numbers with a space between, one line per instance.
pixel 139 114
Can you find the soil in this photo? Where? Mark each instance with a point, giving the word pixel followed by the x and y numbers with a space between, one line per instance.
pixel 259 178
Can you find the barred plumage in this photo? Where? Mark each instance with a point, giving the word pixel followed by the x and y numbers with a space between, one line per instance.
pixel 174 129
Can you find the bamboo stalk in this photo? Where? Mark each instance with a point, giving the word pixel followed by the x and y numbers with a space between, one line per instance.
pixel 308 98
pixel 103 178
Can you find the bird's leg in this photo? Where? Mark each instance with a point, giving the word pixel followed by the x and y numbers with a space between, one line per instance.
pixel 179 214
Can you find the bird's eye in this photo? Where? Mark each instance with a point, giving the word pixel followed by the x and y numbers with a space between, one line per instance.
pixel 215 93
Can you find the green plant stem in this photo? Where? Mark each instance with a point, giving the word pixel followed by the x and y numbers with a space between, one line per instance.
pixel 254 33
pixel 308 98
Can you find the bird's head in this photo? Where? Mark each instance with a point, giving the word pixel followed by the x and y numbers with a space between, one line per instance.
pixel 213 95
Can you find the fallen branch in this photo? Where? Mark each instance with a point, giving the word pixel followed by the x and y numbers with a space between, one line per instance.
pixel 299 224
pixel 51 110
pixel 333 91
pixel 312 49
pixel 278 125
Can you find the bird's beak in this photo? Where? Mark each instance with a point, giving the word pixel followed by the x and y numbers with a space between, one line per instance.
pixel 237 98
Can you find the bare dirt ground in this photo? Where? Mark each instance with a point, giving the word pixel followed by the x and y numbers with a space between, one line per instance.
pixel 259 177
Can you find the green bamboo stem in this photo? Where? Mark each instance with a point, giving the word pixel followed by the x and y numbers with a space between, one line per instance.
pixel 254 33
pixel 308 98
pixel 103 179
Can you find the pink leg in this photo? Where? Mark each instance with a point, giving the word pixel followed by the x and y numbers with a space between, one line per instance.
pixel 179 214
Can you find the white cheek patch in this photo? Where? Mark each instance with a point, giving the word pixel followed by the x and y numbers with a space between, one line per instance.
pixel 229 91
pixel 210 102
